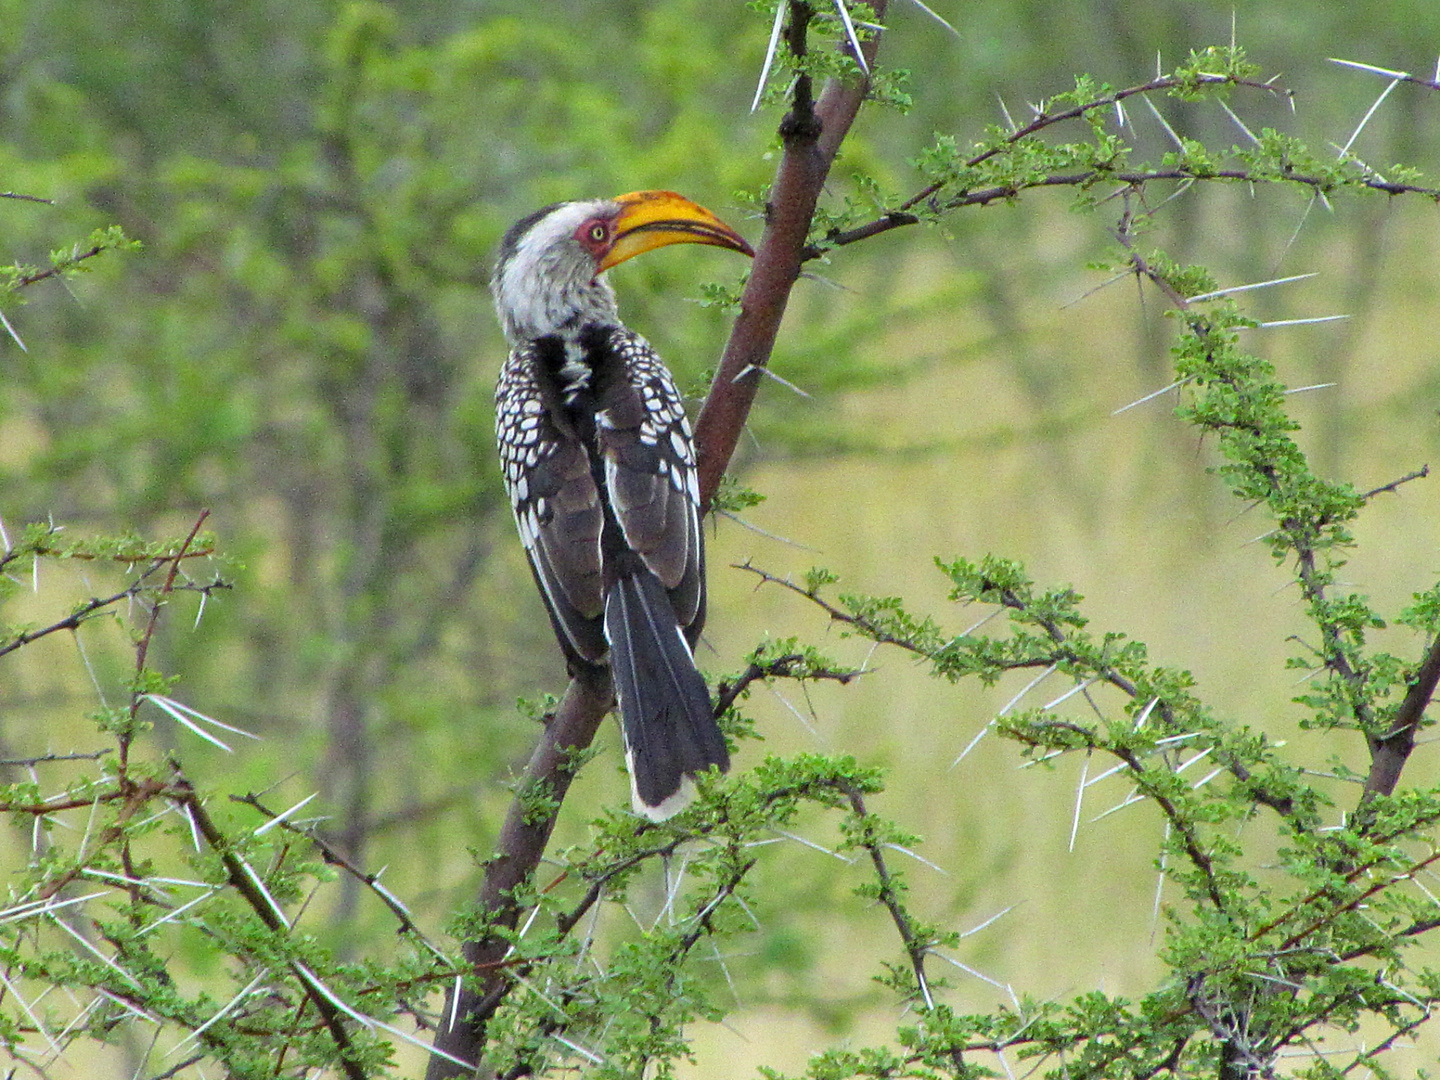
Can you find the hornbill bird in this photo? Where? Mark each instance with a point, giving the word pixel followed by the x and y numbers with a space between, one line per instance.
pixel 600 468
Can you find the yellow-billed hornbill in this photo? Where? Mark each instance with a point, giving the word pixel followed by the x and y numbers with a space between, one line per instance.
pixel 600 468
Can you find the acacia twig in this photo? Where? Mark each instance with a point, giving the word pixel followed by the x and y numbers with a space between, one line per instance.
pixel 95 606
pixel 929 198
pixel 142 646
pixel 42 759
pixel 248 888
pixel 1282 804
pixel 333 857
pixel 41 275
pixel 781 667
pixel 1418 474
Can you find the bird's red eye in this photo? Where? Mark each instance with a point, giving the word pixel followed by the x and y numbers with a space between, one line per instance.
pixel 594 236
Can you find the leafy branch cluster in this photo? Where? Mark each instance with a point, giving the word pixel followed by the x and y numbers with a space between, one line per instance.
pixel 134 875
pixel 42 541
pixel 130 868
pixel 64 262
pixel 1015 158
pixel 1260 962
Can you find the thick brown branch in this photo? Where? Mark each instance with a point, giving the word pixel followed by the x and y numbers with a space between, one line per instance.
pixel 806 163
pixel 1390 752
pixel 521 843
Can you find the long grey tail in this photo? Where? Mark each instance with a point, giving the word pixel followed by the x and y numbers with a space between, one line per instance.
pixel 665 711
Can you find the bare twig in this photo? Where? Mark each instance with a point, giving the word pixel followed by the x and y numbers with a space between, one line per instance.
pixel 142 646
pixel 94 755
pixel 1419 474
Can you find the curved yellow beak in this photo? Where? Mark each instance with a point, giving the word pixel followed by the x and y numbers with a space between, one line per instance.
pixel 652 219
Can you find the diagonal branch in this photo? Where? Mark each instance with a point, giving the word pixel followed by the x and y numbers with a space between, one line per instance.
pixel 263 907
pixel 812 139
pixel 527 828
pixel 1389 752
pixel 916 947
pixel 1283 804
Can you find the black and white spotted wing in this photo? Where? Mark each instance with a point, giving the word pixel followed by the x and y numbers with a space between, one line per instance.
pixel 636 425
pixel 650 475
pixel 556 505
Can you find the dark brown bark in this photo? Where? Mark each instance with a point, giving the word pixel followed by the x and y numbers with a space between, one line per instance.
pixel 522 841
pixel 812 139
pixel 1389 753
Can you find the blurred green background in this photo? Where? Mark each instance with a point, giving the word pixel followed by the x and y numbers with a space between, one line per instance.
pixel 306 347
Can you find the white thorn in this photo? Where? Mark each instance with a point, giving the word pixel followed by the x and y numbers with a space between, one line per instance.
pixel 1254 285
pixel 1154 394
pixel 854 39
pixel 1366 118
pixel 1299 322
pixel 1027 688
pixel 769 54
pixel 1179 143
pixel 1372 68
pixel 11 331
pixel 1079 800
pixel 930 11
pixel 278 818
